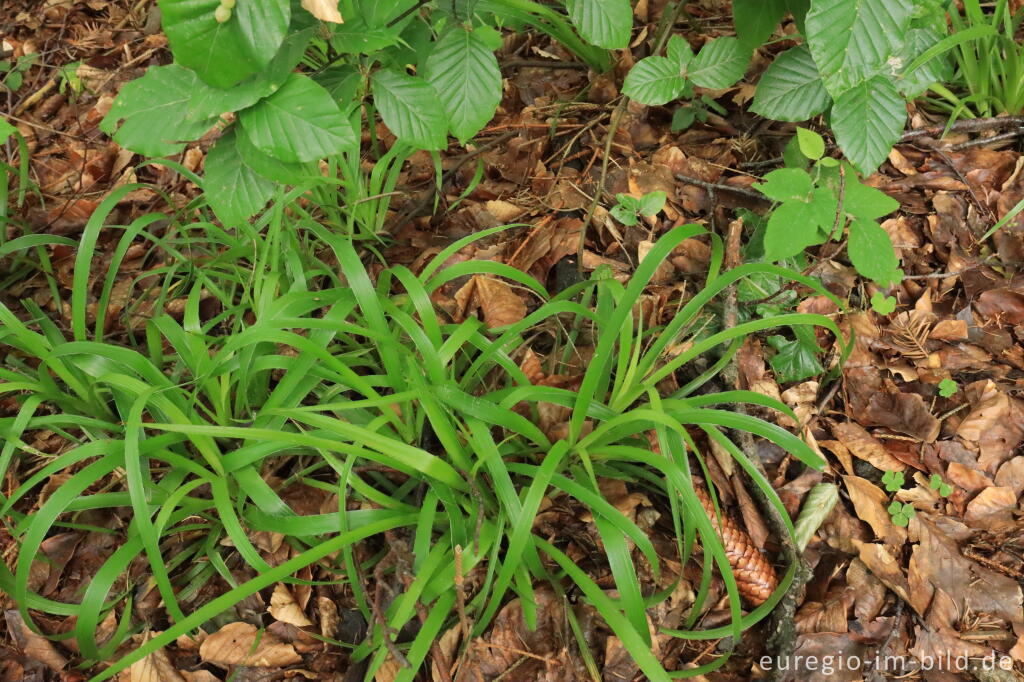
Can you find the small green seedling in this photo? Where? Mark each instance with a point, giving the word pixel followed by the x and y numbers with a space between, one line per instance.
pixel 629 209
pixel 881 304
pixel 947 387
pixel 12 74
pixel 901 513
pixel 893 480
pixel 936 483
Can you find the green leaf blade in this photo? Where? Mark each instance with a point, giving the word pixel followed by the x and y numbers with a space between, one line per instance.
pixel 605 23
pixel 868 120
pixel 411 109
pixel 719 64
pixel 298 123
pixel 791 88
pixel 654 81
pixel 223 54
pixel 465 73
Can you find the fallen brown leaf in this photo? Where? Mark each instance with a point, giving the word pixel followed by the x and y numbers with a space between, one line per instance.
pixel 240 644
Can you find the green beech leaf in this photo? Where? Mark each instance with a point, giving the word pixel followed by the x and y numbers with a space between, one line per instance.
pixel 863 201
pixel 852 40
pixel 654 81
pixel 605 23
pixel 463 70
pixel 679 52
pixel 210 101
pixel 756 20
pixel 300 122
pixel 234 190
pixel 271 167
pixel 867 120
pixel 154 113
pixel 812 145
pixel 791 228
pixel 786 184
pixel 871 253
pixel 791 88
pixel 411 109
pixel 719 64
pixel 223 54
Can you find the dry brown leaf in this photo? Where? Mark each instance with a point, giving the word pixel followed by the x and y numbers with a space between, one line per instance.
pixel 324 10
pixel 865 446
pixel 34 647
pixel 501 306
pixel 156 667
pixel 329 618
pixel 992 508
pixel 884 566
pixel 870 503
pixel 284 607
pixel 236 644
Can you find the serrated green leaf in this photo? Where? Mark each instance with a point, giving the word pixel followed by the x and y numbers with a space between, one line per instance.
pixel 223 54
pixel 342 82
pixel 653 81
pixel 756 20
pixel 871 253
pixel 465 74
pixel 852 40
pixel 209 101
pixel 719 64
pixel 679 52
pixel 867 120
pixel 791 88
pixel 153 112
pixel 786 184
pixel 270 167
pixel 791 228
pixel 864 201
pixel 300 122
pixel 605 23
pixel 411 108
pixel 938 69
pixel 812 145
pixel 234 190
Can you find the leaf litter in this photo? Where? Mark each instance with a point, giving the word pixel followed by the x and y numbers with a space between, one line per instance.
pixel 950 581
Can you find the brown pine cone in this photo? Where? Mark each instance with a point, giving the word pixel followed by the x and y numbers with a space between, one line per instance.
pixel 755 577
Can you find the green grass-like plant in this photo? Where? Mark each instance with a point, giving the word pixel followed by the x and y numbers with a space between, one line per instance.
pixel 312 371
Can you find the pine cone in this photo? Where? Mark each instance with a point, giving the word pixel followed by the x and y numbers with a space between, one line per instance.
pixel 755 577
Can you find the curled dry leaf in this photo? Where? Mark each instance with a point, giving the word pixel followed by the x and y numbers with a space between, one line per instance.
pixel 324 10
pixel 865 446
pixel 869 501
pixel 236 644
pixel 992 508
pixel 284 608
pixel 498 302
pixel 156 667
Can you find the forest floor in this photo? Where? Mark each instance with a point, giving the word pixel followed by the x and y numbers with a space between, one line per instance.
pixel 946 585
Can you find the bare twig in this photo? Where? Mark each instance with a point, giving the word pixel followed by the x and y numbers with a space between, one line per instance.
pixel 712 186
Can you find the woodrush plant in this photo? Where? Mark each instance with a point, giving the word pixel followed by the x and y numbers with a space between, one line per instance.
pixel 988 76
pixel 321 376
